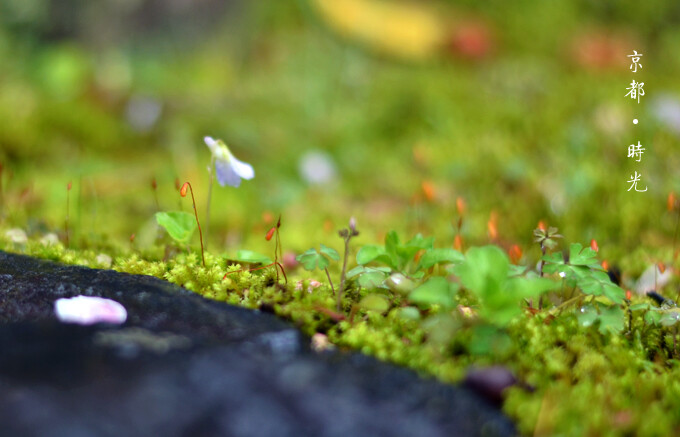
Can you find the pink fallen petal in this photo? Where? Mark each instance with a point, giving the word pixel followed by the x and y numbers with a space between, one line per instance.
pixel 87 310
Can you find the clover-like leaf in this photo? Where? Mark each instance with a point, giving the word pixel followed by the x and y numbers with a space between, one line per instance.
pixel 330 253
pixel 579 256
pixel 179 225
pixel 311 259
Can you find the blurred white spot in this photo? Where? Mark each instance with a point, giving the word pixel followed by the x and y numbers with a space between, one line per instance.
pixel 610 119
pixel 317 168
pixel 142 113
pixel 652 279
pixel 17 236
pixel 666 110
pixel 87 310
pixel 50 239
pixel 562 274
pixel 104 260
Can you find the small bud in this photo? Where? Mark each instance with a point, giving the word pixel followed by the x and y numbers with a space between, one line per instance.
pixel 542 226
pixel 132 238
pixel 515 254
pixel 605 265
pixel 154 185
pixel 458 242
pixel 68 186
pixel 183 190
pixel 629 295
pixel 428 190
pixel 343 233
pixel 267 217
pixel 270 233
pixel 492 226
pixel 672 201
pixel 594 246
pixel 278 222
pixel 460 206
pixel 352 224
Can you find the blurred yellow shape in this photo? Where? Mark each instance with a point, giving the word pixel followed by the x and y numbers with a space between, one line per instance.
pixel 401 29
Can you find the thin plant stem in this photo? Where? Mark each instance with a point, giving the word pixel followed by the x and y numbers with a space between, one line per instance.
pixel 68 196
pixel 200 232
pixel 344 269
pixel 328 275
pixel 154 187
pixel 207 209
pixel 675 234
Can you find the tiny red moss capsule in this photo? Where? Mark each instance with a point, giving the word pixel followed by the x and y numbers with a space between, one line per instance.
pixel 270 233
pixel 183 190
pixel 515 253
pixel 594 246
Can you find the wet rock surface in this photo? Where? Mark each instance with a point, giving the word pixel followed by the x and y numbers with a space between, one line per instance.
pixel 182 365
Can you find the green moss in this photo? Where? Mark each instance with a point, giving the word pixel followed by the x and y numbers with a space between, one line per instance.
pixel 584 383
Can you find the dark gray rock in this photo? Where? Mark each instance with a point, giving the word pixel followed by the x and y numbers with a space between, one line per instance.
pixel 185 366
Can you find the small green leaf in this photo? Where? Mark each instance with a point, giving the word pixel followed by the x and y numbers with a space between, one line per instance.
pixel 408 313
pixel 436 290
pixel 179 225
pixel 400 283
pixel 330 253
pixel 372 279
pixel 578 256
pixel 355 271
pixel 669 318
pixel 435 256
pixel 368 253
pixel 375 302
pixel 252 257
pixel 311 259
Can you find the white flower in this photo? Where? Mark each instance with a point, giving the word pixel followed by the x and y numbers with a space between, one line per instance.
pixel 229 169
pixel 87 310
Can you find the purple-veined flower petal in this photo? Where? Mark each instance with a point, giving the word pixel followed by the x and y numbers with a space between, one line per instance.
pixel 87 310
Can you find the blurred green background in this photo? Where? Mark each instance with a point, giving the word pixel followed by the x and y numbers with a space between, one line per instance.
pixel 384 110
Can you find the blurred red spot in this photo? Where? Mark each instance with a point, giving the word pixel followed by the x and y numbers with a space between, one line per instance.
pixel 661 266
pixel 542 226
pixel 428 190
pixel 594 246
pixel 267 217
pixel 492 225
pixel 471 41
pixel 672 201
pixel 460 205
pixel 183 190
pixel 605 265
pixel 154 185
pixel 629 295
pixel 68 186
pixel 270 233
pixel 515 253
pixel 458 242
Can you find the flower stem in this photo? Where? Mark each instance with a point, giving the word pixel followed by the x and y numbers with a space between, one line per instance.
pixel 68 196
pixel 200 233
pixel 207 209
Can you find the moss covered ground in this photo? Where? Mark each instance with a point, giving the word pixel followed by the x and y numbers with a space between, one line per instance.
pixel 473 151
